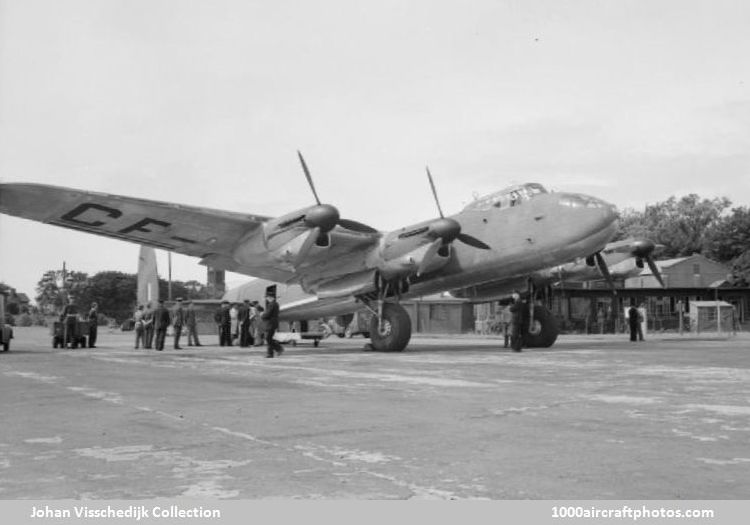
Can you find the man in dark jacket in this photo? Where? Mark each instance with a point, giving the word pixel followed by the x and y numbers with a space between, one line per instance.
pixel 270 317
pixel 519 320
pixel 634 322
pixel 93 324
pixel 69 325
pixel 161 322
pixel 243 320
pixel 178 319
pixel 224 321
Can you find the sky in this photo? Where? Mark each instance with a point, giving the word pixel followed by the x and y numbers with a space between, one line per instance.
pixel 206 103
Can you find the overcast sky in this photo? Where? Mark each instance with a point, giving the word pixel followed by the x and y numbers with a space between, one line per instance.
pixel 206 103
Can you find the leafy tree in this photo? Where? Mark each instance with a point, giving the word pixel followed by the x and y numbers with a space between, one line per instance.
pixel 740 275
pixel 114 292
pixel 50 297
pixel 187 290
pixel 680 225
pixel 729 237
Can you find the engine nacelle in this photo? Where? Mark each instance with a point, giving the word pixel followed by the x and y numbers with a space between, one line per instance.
pixel 415 261
pixel 348 285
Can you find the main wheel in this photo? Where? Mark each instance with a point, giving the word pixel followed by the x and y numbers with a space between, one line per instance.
pixel 543 332
pixel 6 346
pixel 392 334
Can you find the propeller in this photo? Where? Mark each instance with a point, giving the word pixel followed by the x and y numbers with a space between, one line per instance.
pixel 321 219
pixel 444 231
pixel 602 264
pixel 449 229
pixel 643 250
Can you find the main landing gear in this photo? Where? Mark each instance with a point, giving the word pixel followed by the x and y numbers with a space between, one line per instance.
pixel 542 328
pixel 390 325
pixel 392 330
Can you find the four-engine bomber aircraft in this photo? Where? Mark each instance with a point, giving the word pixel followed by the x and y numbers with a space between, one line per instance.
pixel 344 264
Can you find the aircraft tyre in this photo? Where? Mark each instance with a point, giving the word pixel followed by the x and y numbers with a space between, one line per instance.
pixel 544 332
pixel 6 346
pixel 395 330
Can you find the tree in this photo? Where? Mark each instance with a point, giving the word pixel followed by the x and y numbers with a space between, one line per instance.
pixel 740 275
pixel 729 237
pixel 680 225
pixel 114 292
pixel 50 297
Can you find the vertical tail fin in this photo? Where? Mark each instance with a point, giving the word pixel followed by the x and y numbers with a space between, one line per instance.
pixel 148 281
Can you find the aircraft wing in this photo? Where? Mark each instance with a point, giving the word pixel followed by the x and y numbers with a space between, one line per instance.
pixel 190 230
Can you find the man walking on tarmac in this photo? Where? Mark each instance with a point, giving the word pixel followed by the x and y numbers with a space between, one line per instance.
pixel 271 318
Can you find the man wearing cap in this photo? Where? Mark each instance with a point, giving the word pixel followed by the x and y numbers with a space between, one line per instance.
pixel 191 322
pixel 519 313
pixel 148 326
pixel 161 322
pixel 271 318
pixel 243 318
pixel 93 324
pixel 224 320
pixel 178 318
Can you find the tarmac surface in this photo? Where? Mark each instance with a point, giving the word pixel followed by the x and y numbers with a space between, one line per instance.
pixel 594 417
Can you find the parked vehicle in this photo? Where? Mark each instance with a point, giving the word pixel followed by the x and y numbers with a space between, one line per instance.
pixel 77 337
pixel 6 332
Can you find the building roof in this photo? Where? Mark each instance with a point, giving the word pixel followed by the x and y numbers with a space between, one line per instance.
pixel 709 303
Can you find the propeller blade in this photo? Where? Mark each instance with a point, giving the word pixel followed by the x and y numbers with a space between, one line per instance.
pixel 472 241
pixel 304 250
pixel 307 174
pixel 356 226
pixel 655 270
pixel 434 193
pixel 429 255
pixel 602 264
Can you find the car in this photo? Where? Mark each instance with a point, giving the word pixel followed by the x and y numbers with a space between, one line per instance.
pixel 6 332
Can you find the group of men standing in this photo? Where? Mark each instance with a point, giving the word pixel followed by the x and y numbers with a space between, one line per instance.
pixel 69 324
pixel 253 324
pixel 250 323
pixel 151 325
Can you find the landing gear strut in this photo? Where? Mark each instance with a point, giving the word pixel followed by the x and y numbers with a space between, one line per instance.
pixel 543 329
pixel 390 332
pixel 390 325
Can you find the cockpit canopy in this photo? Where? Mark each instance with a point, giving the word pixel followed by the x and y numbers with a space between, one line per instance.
pixel 510 196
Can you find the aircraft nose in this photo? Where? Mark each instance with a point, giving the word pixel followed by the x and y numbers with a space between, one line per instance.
pixel 602 212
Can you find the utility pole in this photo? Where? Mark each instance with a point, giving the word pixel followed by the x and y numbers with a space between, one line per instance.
pixel 169 283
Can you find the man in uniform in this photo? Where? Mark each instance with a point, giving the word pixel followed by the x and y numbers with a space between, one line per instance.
pixel 161 322
pixel 518 312
pixel 69 322
pixel 192 325
pixel 148 326
pixel 271 318
pixel 138 327
pixel 178 318
pixel 93 324
pixel 224 320
pixel 633 322
pixel 506 320
pixel 243 318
